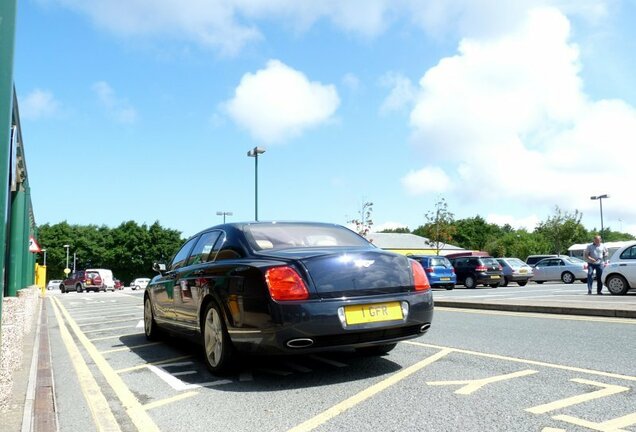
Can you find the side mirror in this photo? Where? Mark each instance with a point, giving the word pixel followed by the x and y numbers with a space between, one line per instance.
pixel 159 267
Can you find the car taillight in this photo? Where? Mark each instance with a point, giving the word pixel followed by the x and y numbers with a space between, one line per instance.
pixel 429 270
pixel 481 268
pixel 284 283
pixel 453 270
pixel 419 277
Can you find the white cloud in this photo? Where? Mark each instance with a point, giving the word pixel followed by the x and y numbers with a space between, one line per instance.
pixel 120 109
pixel 279 102
pixel 39 104
pixel 508 119
pixel 351 81
pixel 427 180
pixel 403 92
pixel 229 25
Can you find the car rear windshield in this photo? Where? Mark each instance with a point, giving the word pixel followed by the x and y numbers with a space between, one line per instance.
pixel 440 262
pixel 489 261
pixel 515 262
pixel 289 236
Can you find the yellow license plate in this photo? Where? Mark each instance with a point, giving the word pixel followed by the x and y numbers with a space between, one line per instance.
pixel 370 313
pixel 444 279
pixel 494 277
pixel 523 270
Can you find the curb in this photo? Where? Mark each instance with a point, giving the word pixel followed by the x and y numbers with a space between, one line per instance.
pixel 565 310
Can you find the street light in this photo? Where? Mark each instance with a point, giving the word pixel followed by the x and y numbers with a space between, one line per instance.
pixel 600 201
pixel 224 213
pixel 254 153
pixel 66 246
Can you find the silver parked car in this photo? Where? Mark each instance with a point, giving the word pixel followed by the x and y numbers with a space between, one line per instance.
pixel 619 275
pixel 564 268
pixel 515 270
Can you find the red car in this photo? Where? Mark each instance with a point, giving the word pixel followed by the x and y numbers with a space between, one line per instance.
pixel 118 284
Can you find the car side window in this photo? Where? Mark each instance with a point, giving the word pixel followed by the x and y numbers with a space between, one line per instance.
pixel 179 259
pixel 204 247
pixel 629 253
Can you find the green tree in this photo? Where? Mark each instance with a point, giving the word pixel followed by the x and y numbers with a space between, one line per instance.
pixel 475 233
pixel 439 228
pixel 401 230
pixel 364 223
pixel 562 229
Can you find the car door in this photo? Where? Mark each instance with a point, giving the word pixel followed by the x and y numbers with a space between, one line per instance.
pixel 191 281
pixel 627 265
pixel 543 270
pixel 162 289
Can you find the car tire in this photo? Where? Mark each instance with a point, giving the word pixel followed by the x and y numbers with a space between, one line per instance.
pixel 450 287
pixel 567 278
pixel 539 282
pixel 469 282
pixel 523 283
pixel 495 285
pixel 617 285
pixel 376 350
pixel 505 282
pixel 79 288
pixel 62 290
pixel 218 351
pixel 150 325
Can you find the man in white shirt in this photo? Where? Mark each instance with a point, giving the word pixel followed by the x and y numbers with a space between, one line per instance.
pixel 595 255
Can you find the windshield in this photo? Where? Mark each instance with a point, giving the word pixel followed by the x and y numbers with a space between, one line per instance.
pixel 297 235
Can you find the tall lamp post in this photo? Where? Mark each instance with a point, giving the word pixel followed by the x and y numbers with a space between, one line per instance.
pixel 44 264
pixel 224 213
pixel 254 153
pixel 66 247
pixel 600 201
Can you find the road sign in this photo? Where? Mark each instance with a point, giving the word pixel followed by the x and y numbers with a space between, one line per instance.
pixel 67 271
pixel 33 245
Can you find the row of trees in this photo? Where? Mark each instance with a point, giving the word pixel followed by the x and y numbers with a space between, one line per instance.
pixel 553 235
pixel 129 250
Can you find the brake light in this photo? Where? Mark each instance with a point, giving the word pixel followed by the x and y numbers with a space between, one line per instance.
pixel 419 277
pixel 429 270
pixel 284 283
pixel 453 270
pixel 481 268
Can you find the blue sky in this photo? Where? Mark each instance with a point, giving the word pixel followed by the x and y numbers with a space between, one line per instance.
pixel 145 109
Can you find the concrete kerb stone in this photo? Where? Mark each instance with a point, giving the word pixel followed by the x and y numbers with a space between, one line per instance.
pixel 565 310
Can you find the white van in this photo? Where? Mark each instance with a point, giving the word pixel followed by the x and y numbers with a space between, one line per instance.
pixel 108 280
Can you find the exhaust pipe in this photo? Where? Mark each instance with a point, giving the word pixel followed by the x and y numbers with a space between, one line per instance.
pixel 425 328
pixel 300 343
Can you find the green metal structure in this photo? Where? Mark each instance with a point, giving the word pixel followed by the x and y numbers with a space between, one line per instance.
pixel 17 223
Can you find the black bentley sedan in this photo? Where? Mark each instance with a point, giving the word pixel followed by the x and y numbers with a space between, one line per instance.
pixel 287 288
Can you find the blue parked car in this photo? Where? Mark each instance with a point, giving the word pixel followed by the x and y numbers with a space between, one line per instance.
pixel 439 270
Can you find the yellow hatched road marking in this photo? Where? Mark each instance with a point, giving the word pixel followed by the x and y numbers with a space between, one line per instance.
pixel 106 329
pixel 157 363
pixel 607 390
pixel 367 393
pixel 98 405
pixel 114 336
pixel 114 350
pixel 526 361
pixel 131 404
pixel 613 425
pixel 166 401
pixel 472 386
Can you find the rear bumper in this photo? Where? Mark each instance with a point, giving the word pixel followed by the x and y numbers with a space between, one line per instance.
pixel 317 323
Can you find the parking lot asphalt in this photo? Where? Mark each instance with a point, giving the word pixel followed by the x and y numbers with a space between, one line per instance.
pixel 39 411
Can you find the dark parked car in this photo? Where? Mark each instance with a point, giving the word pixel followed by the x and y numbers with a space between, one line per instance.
pixel 287 288
pixel 474 270
pixel 83 280
pixel 439 270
